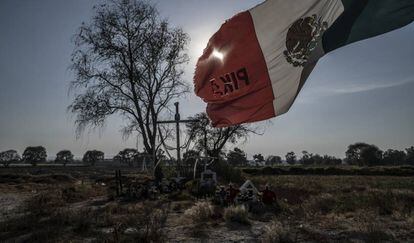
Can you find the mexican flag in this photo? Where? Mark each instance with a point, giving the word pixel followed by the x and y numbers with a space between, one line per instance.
pixel 255 65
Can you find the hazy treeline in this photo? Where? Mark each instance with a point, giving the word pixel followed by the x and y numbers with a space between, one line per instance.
pixel 359 154
pixel 37 154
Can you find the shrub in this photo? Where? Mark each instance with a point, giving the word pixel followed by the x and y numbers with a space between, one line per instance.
pixel 148 222
pixel 276 232
pixel 200 212
pixel 236 214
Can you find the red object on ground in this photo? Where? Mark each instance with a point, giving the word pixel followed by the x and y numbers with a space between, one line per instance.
pixel 268 196
pixel 232 194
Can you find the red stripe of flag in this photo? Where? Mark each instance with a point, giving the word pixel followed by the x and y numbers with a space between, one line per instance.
pixel 232 76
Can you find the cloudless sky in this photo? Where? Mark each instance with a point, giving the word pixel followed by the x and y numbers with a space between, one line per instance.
pixel 362 92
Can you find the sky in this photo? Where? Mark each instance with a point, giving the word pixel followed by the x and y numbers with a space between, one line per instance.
pixel 359 93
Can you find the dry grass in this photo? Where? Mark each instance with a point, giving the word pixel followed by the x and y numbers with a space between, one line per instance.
pixel 40 179
pixel 48 226
pixel 275 231
pixel 356 208
pixel 132 223
pixel 371 229
pixel 311 208
pixel 44 203
pixel 148 223
pixel 201 212
pixel 333 170
pixel 66 212
pixel 384 203
pixel 237 214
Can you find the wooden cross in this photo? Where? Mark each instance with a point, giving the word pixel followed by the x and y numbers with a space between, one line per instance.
pixel 177 122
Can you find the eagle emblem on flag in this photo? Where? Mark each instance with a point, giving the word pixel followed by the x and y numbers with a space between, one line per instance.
pixel 302 38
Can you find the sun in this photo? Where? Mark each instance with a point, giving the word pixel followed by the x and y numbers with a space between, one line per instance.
pixel 218 55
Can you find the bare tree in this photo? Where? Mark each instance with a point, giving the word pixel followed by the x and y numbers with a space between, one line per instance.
pixel 214 139
pixel 128 62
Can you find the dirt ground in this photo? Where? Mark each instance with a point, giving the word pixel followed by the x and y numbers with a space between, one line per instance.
pixel 78 204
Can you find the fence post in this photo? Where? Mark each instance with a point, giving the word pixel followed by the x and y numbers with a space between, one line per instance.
pixel 117 183
pixel 120 181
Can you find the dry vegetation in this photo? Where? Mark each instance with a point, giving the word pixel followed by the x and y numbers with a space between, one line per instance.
pixel 200 213
pixel 335 208
pixel 236 214
pixel 49 205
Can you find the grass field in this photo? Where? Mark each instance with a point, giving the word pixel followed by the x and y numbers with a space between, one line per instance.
pixel 336 208
pixel 77 204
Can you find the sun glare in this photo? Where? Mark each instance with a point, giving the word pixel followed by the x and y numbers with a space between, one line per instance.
pixel 218 55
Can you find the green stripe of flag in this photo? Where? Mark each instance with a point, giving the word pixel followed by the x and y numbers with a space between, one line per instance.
pixel 364 19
